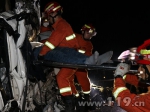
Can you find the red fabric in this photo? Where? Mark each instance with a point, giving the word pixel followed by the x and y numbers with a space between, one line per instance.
pixel 81 74
pixel 145 62
pixel 132 79
pixel 137 103
pixel 144 45
pixel 58 37
pixel 83 80
pixel 44 29
pixel 84 45
pixel 63 79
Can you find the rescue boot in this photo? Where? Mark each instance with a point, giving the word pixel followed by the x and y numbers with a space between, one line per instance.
pixel 92 60
pixel 78 107
pixel 88 100
pixel 69 103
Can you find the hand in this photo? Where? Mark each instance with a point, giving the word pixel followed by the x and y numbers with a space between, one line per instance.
pixel 36 44
pixel 122 69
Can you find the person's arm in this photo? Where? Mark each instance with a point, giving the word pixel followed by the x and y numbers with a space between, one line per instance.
pixel 53 41
pixel 89 49
pixel 122 95
pixel 131 79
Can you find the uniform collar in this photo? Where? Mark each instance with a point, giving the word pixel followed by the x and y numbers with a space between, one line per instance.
pixel 56 23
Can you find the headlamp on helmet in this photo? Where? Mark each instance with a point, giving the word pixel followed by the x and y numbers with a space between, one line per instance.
pixel 89 28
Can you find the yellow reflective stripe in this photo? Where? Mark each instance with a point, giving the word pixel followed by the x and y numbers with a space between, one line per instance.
pixel 49 6
pixel 66 89
pixel 86 92
pixel 77 95
pixel 118 91
pixel 124 77
pixel 71 37
pixel 81 51
pixel 87 26
pixel 144 51
pixel 48 44
pixel 56 8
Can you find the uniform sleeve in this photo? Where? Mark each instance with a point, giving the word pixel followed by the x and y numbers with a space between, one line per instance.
pixel 128 101
pixel 55 39
pixel 120 92
pixel 89 49
pixel 131 79
pixel 134 80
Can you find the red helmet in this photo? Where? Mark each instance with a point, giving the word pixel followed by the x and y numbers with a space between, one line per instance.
pixel 88 27
pixel 52 7
pixel 144 52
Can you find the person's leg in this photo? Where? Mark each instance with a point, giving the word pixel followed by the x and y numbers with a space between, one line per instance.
pixel 65 55
pixel 73 87
pixel 36 52
pixel 63 80
pixel 83 79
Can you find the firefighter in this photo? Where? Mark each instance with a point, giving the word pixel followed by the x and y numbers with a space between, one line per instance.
pixel 85 47
pixel 134 102
pixel 62 46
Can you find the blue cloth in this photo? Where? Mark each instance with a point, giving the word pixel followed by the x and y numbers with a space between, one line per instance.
pixel 63 55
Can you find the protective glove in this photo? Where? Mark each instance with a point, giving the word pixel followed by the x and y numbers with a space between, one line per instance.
pixel 121 70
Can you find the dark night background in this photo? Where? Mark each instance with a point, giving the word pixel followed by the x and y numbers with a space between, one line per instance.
pixel 119 26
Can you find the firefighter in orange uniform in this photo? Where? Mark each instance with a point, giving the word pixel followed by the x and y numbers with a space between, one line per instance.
pixel 61 46
pixel 86 47
pixel 62 30
pixel 126 100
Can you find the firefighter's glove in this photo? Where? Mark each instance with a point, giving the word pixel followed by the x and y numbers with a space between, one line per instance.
pixel 121 70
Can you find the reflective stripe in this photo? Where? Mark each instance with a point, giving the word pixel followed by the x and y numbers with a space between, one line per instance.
pixel 81 51
pixel 124 77
pixel 66 89
pixel 71 37
pixel 77 95
pixel 91 31
pixel 56 8
pixel 86 92
pixel 118 91
pixel 49 6
pixel 144 51
pixel 48 44
pixel 87 26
